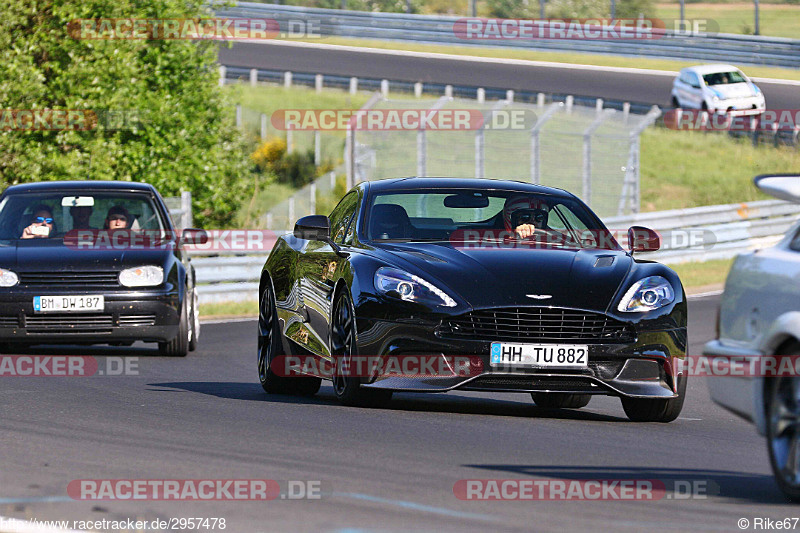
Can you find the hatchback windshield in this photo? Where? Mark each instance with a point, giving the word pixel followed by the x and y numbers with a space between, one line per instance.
pixel 470 215
pixel 723 78
pixel 51 215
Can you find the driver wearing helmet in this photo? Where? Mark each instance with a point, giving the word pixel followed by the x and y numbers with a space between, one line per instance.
pixel 525 215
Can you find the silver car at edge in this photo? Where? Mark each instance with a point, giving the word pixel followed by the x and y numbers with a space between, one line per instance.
pixel 760 318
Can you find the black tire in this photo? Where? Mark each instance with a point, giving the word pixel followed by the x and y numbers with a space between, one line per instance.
pixel 656 410
pixel 269 347
pixel 194 323
pixel 554 400
pixel 783 428
pixel 675 103
pixel 179 346
pixel 343 346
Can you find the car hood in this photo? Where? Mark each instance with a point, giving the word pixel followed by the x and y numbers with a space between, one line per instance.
pixel 513 277
pixel 56 257
pixel 733 90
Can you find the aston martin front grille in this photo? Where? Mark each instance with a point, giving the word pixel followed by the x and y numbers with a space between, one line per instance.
pixel 540 324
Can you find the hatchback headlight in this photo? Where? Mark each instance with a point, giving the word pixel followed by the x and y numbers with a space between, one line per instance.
pixel 8 278
pixel 400 284
pixel 143 276
pixel 647 294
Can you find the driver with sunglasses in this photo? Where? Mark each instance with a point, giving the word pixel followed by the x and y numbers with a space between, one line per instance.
pixel 525 216
pixel 42 225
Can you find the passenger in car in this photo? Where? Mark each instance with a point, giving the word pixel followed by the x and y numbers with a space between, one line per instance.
pixel 42 224
pixel 117 218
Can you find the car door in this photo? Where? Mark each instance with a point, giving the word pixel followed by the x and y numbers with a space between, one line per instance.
pixel 694 90
pixel 763 285
pixel 316 270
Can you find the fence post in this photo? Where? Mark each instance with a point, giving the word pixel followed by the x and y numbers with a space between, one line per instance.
pixel 289 141
pixel 312 201
pixel 353 85
pixel 222 74
pixel 540 99
pixel 385 88
pixel 349 155
pixel 448 91
pixel 418 90
pixel 287 80
pixel 291 211
pixel 263 126
pixel 318 83
pixel 510 96
pixel 568 102
pixel 186 209
pixel 535 155
pixel 422 153
pixel 253 77
pixel 598 106
pixel 587 154
pixel 481 96
pixel 317 148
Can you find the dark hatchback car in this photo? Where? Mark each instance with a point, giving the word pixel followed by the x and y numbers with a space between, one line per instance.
pixel 94 262
pixel 525 280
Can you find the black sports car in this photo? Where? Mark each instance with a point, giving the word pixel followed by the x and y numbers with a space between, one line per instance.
pixel 523 281
pixel 94 262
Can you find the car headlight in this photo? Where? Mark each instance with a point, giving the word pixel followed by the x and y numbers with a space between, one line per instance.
pixel 715 98
pixel 143 276
pixel 400 284
pixel 8 278
pixel 647 294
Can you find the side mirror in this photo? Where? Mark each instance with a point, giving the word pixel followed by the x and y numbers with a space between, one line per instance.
pixel 781 186
pixel 641 239
pixel 194 236
pixel 313 228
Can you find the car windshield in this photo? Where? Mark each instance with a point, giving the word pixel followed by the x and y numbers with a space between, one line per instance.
pixel 723 78
pixel 51 215
pixel 472 215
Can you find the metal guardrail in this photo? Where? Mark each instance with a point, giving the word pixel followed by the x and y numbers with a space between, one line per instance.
pixel 744 49
pixel 736 228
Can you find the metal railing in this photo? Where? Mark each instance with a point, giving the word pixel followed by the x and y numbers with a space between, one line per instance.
pixel 743 49
pixel 736 228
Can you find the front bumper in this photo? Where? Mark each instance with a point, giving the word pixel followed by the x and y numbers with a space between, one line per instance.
pixel 149 316
pixel 749 105
pixel 640 368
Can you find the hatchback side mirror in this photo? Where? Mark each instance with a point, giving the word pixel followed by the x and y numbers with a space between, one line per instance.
pixel 313 228
pixel 641 239
pixel 194 236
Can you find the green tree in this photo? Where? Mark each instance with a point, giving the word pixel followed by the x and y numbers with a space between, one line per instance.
pixel 184 138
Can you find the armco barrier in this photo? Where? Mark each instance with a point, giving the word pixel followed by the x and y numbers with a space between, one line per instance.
pixel 736 228
pixel 741 49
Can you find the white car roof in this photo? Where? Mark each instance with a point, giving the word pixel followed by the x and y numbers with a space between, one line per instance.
pixel 710 69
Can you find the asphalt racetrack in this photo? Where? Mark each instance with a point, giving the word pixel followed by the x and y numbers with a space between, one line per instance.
pixel 389 469
pixel 599 82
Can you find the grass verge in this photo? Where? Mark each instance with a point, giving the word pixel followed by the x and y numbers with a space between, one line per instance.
pixel 229 309
pixel 708 273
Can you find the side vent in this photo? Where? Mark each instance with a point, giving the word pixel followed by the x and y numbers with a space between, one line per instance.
pixel 604 261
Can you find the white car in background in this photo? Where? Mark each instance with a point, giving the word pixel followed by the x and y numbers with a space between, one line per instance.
pixel 760 318
pixel 717 89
